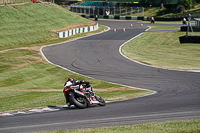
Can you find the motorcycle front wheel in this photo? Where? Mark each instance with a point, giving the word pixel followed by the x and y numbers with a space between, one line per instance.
pixel 101 101
pixel 78 101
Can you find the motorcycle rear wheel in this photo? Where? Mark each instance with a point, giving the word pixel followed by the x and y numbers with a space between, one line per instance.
pixel 79 102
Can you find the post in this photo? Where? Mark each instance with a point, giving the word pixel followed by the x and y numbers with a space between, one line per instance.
pixel 131 10
pixel 150 10
pixel 119 11
pixel 114 11
pixel 143 10
pixel 189 26
pixel 126 11
pixel 93 9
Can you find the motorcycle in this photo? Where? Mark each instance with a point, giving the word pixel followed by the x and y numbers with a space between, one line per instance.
pixel 83 99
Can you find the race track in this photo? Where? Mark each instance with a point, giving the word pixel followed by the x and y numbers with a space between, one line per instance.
pixel 98 56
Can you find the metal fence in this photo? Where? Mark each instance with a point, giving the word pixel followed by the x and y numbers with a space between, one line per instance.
pixel 115 11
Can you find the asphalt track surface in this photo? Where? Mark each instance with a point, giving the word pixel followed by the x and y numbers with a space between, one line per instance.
pixel 98 56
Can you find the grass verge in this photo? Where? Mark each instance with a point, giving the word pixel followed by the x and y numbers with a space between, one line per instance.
pixel 22 100
pixel 28 81
pixel 192 126
pixel 34 24
pixel 164 27
pixel 163 49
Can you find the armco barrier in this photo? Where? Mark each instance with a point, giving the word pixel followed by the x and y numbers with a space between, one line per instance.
pixel 116 17
pixel 195 28
pixel 77 31
pixel 189 39
pixel 135 18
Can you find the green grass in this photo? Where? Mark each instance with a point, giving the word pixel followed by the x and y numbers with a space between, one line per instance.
pixel 163 49
pixel 13 1
pixel 164 27
pixel 21 100
pixel 24 73
pixel 166 22
pixel 31 24
pixel 11 101
pixel 192 126
pixel 20 65
pixel 23 69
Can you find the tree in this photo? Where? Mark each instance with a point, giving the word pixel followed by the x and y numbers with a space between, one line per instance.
pixel 188 4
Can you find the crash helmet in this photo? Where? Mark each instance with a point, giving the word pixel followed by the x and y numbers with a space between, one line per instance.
pixel 71 80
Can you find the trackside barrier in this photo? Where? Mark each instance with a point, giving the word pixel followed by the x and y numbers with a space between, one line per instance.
pixel 77 31
pixel 116 17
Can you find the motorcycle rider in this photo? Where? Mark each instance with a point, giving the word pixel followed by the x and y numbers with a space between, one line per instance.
pixel 83 88
pixel 70 81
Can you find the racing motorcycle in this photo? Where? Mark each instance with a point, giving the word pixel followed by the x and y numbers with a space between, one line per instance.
pixel 83 96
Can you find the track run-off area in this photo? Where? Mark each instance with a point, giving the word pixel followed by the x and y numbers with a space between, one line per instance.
pixel 98 56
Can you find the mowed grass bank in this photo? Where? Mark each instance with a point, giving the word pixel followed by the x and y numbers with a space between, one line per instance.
pixel 163 49
pixel 34 24
pixel 192 126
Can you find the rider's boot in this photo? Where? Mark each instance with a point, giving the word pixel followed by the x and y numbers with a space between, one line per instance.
pixel 68 104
